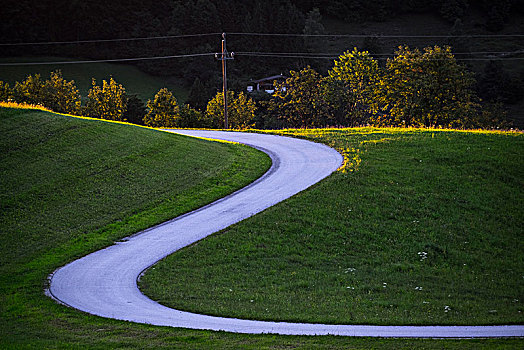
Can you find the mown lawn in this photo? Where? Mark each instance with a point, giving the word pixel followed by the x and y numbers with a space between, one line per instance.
pixel 71 186
pixel 422 228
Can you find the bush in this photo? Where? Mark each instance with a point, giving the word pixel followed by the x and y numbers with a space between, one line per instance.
pixel 360 74
pixel 61 95
pixel 301 99
pixel 163 110
pixel 107 101
pixel 5 92
pixel 241 111
pixel 30 91
pixel 192 118
pixel 135 111
pixel 427 89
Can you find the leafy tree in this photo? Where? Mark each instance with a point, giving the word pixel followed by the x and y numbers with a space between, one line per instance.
pixel 452 10
pixel 5 92
pixel 107 101
pixel 313 23
pixel 360 74
pixel 497 14
pixel 163 110
pixel 457 41
pixel 493 115
pixel 426 89
pixel 372 45
pixel 496 84
pixel 266 116
pixel 31 90
pixel 192 118
pixel 61 95
pixel 301 99
pixel 336 96
pixel 198 96
pixel 240 112
pixel 135 111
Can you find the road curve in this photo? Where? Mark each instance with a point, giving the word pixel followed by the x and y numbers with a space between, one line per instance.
pixel 104 283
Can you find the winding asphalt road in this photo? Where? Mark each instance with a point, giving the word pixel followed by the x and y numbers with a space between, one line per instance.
pixel 104 283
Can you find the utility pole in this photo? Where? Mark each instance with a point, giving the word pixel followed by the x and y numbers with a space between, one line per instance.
pixel 223 57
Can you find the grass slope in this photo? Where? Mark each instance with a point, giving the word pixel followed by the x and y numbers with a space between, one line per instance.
pixel 43 153
pixel 134 80
pixel 427 230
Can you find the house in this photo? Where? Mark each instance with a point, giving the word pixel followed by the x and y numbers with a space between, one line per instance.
pixel 265 84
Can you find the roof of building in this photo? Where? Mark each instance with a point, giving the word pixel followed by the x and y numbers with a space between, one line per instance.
pixel 271 78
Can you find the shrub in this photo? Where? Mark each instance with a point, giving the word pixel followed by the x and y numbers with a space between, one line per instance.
pixel 5 92
pixel 192 118
pixel 30 91
pixel 107 101
pixel 428 89
pixel 163 110
pixel 135 111
pixel 61 95
pixel 241 111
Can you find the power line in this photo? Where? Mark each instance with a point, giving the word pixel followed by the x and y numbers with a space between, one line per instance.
pixel 304 55
pixel 381 36
pixel 323 56
pixel 285 55
pixel 373 55
pixel 253 54
pixel 261 34
pixel 105 60
pixel 109 40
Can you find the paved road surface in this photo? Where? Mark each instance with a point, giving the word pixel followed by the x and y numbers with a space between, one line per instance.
pixel 104 283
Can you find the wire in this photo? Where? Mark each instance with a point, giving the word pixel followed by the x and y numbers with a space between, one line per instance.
pixel 381 36
pixel 106 60
pixel 373 55
pixel 285 56
pixel 109 40
pixel 262 54
pixel 261 34
pixel 382 58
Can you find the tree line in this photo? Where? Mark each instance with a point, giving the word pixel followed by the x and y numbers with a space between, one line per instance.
pixel 109 100
pixel 41 21
pixel 415 88
pixel 427 88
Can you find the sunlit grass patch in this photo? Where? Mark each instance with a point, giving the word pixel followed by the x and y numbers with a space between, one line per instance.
pixel 23 106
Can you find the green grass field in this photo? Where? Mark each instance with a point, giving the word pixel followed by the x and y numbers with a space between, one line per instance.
pixel 425 228
pixel 70 186
pixel 134 80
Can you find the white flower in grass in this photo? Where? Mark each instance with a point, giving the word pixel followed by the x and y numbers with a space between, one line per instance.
pixel 422 255
pixel 447 308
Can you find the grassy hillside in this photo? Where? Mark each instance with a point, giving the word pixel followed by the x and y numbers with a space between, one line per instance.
pixel 424 228
pixel 134 80
pixel 70 186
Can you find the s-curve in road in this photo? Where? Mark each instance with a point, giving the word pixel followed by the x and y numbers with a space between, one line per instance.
pixel 104 283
